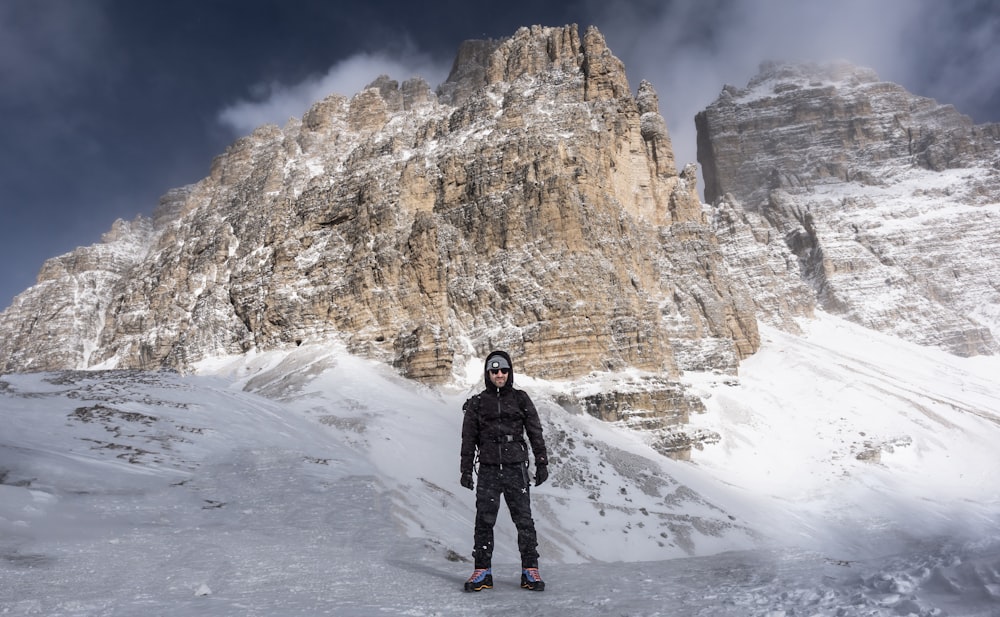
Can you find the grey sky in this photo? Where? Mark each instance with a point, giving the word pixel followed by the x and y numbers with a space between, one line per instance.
pixel 107 104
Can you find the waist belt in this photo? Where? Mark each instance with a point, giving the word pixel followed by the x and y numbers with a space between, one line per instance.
pixel 507 438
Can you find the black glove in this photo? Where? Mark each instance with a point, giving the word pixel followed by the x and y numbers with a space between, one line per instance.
pixel 541 473
pixel 467 481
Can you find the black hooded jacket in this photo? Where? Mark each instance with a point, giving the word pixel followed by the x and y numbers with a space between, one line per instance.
pixel 496 421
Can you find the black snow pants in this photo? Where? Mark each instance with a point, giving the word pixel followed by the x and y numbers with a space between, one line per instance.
pixel 513 483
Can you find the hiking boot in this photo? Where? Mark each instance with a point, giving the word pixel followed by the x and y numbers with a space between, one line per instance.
pixel 482 578
pixel 531 579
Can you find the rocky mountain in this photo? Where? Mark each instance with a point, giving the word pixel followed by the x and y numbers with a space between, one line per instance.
pixel 533 203
pixel 884 204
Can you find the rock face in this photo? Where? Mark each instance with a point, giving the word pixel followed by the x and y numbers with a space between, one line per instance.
pixel 59 321
pixel 532 204
pixel 650 404
pixel 883 205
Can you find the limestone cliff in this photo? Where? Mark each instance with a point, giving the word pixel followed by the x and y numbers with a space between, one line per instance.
pixel 531 204
pixel 872 202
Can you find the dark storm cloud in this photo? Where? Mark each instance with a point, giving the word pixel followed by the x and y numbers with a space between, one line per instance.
pixel 47 47
pixel 953 55
pixel 48 57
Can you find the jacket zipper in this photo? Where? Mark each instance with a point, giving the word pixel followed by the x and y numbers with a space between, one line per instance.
pixel 499 423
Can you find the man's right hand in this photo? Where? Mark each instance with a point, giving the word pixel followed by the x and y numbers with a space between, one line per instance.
pixel 467 481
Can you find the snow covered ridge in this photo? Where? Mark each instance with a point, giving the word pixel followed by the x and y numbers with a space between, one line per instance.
pixel 125 492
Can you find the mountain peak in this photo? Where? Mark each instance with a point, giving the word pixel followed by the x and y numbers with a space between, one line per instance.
pixel 532 53
pixel 784 75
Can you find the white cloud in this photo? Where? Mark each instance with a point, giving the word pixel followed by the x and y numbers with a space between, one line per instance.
pixel 348 77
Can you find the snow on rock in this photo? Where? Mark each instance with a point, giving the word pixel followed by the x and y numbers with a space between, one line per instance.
pixel 881 203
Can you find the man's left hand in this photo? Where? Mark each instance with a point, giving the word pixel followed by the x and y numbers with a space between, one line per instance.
pixel 541 474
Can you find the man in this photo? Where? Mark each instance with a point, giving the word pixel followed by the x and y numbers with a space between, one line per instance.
pixel 496 421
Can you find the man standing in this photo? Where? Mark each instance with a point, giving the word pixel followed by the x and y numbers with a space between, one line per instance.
pixel 496 421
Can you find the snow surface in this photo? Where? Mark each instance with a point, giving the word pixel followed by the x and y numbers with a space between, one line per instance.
pixel 855 475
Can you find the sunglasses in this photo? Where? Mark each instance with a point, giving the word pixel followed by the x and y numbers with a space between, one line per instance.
pixel 503 371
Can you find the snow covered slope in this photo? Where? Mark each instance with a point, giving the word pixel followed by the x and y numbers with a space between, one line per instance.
pixel 853 476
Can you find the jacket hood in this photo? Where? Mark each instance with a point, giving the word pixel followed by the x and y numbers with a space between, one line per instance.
pixel 486 371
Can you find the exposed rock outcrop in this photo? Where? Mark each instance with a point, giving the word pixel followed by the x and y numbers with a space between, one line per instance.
pixel 59 321
pixel 531 204
pixel 885 203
